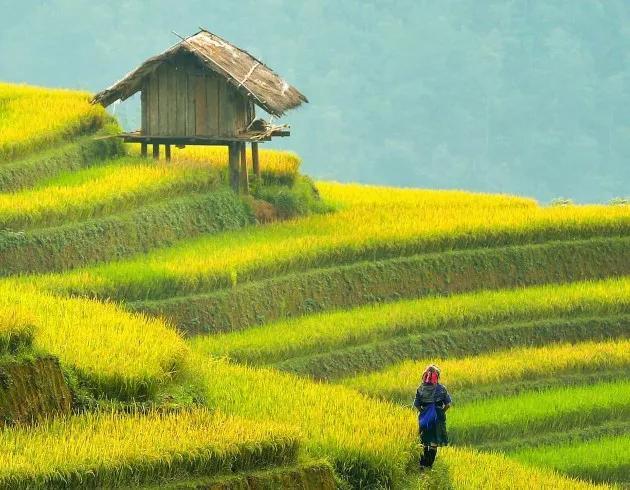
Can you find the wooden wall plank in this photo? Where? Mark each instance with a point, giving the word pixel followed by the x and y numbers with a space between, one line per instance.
pixel 171 84
pixel 153 107
pixel 212 104
pixel 201 113
pixel 190 106
pixel 181 111
pixel 243 114
pixel 251 111
pixel 239 107
pixel 164 100
pixel 143 108
pixel 244 119
pixel 227 111
pixel 173 95
pixel 188 67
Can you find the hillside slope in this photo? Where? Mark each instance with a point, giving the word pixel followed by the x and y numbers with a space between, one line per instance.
pixel 209 340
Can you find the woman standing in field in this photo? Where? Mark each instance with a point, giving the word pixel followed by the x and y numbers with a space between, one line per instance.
pixel 432 401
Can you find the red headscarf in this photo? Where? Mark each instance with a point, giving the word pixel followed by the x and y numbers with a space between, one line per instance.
pixel 431 375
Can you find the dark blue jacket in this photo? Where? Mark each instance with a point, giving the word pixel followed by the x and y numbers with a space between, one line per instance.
pixel 428 393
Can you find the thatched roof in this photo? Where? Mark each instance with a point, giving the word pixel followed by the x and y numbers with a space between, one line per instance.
pixel 247 74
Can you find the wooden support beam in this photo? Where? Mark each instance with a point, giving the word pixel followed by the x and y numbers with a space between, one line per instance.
pixel 167 152
pixel 233 168
pixel 184 140
pixel 244 176
pixel 156 151
pixel 255 161
pixel 143 150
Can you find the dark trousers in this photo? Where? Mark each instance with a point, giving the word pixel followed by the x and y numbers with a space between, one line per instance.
pixel 428 456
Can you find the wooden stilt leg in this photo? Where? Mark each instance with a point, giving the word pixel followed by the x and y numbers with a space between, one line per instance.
pixel 233 170
pixel 167 152
pixel 156 151
pixel 143 150
pixel 255 161
pixel 244 176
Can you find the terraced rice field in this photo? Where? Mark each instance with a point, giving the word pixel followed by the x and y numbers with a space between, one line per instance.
pixel 204 350
pixel 373 326
pixel 119 354
pixel 528 413
pixel 100 191
pixel 98 450
pixel 601 460
pixel 460 470
pixel 366 441
pixel 362 229
pixel 34 117
pixel 519 367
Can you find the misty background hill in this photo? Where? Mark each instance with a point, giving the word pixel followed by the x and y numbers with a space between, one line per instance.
pixel 527 97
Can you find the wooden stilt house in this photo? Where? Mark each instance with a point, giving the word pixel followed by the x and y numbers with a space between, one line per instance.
pixel 203 91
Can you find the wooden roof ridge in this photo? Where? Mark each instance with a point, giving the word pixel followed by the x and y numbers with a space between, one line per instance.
pixel 245 72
